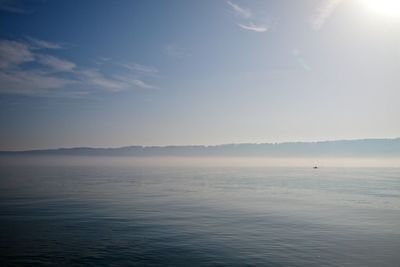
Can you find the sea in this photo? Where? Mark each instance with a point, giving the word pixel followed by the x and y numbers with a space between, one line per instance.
pixel 98 211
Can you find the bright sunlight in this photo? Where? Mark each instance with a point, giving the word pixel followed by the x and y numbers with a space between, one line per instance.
pixel 388 8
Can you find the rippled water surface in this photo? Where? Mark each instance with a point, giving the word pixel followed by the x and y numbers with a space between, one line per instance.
pixel 134 215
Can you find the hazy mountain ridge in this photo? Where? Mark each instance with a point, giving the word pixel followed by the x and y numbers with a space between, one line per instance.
pixel 362 147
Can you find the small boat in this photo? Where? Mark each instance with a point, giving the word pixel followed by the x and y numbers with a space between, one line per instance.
pixel 315 167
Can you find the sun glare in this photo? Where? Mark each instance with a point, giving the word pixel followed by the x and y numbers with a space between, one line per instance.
pixel 388 8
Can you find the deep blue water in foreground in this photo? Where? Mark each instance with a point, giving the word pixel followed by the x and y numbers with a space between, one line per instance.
pixel 131 215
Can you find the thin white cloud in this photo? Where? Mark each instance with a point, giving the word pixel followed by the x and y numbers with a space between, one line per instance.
pixel 240 11
pixel 55 63
pixel 247 18
pixel 94 77
pixel 16 78
pixel 140 68
pixel 30 82
pixel 252 27
pixel 14 53
pixel 115 83
pixel 324 11
pixel 142 84
pixel 134 82
pixel 42 44
pixel 48 75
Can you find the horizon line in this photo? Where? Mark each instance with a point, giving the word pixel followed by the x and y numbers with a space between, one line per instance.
pixel 202 145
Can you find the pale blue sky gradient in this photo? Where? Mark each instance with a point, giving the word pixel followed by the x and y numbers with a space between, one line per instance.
pixel 116 73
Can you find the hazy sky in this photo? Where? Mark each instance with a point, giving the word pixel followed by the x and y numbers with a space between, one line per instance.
pixel 115 73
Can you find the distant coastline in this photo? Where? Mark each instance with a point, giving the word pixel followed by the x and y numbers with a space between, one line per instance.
pixel 351 148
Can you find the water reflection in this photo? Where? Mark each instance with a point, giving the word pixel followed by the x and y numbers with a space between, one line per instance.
pixel 123 212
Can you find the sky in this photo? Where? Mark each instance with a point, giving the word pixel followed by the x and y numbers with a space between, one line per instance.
pixel 179 72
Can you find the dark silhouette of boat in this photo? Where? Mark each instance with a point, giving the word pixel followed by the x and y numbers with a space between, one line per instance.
pixel 315 167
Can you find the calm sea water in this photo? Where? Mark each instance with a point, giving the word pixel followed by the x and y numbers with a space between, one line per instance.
pixel 111 214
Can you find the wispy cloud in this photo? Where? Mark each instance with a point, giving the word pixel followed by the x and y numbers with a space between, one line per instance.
pixel 16 78
pixel 324 11
pixel 14 53
pixel 247 17
pixel 114 83
pixel 26 69
pixel 127 79
pixel 240 11
pixel 97 79
pixel 55 63
pixel 42 44
pixel 252 27
pixel 31 82
pixel 142 84
pixel 140 68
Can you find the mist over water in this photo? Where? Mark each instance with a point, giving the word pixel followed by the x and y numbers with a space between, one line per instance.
pixel 199 211
pixel 199 161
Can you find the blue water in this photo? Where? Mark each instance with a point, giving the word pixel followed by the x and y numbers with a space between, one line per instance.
pixel 131 215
